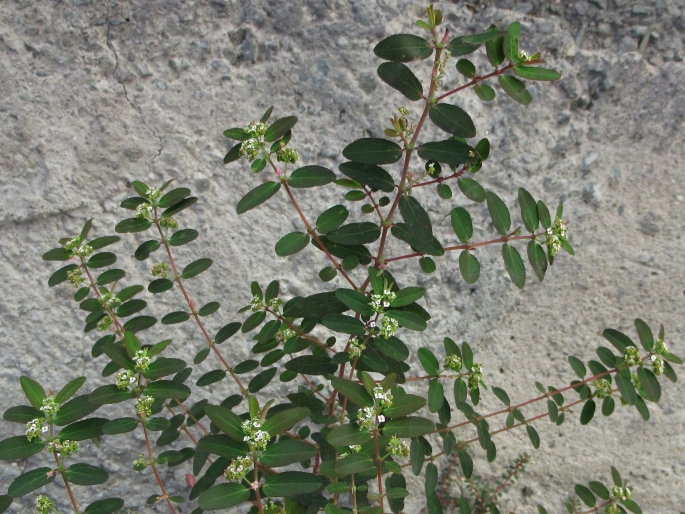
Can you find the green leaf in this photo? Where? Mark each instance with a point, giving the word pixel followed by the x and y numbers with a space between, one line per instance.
pixel 355 300
pixel 407 296
pixel 33 391
pixel 354 392
pixel 331 218
pixel 466 68
pixel 261 380
pixel 160 285
pixel 585 495
pixel 650 384
pixel 588 412
pixel 22 414
pixel 85 474
pixel 69 390
pixel 458 47
pixel 618 339
pixel 348 435
pixel 401 78
pixel 85 429
pixel 502 395
pixel 416 218
pixel 465 462
pixel 130 308
pixel 167 389
pixel 101 242
pixel 105 506
pixel 284 420
pixel 537 259
pixel 616 477
pixel 462 224
pixel 75 409
pixel 311 176
pixel 578 366
pixel 223 446
pixel 533 73
pixel 233 154
pixel 645 334
pixel 404 405
pixel 436 395
pixel 208 309
pixel 471 189
pixel 469 267
pixel 401 232
pixel 315 306
pixel 110 276
pixel 514 265
pixel 257 196
pixel 312 365
pixel 211 377
pixel 511 41
pixel 146 248
pixel 30 481
pixel 448 151
pixel 291 483
pixel 632 506
pixel 291 243
pixel 515 89
pixel 102 259
pixel 223 496
pixel 498 212
pixel 57 254
pixel 353 463
pixel 355 233
pixel 393 348
pixel 180 206
pixel 131 225
pixel 196 267
pixel 183 237
pixel 175 317
pixel 373 176
pixel 373 150
pixel 408 319
pixel 543 215
pixel 226 332
pixel 61 275
pixel 279 128
pixel 287 452
pixel 237 133
pixel 403 48
pixel 119 426
pixel 444 191
pixel 408 427
pixel 608 405
pixel 494 47
pixel 19 447
pixel 228 422
pixel 173 197
pixel 529 210
pixel 599 488
pixel 484 92
pixel 533 436
pixel 453 120
pixel 625 387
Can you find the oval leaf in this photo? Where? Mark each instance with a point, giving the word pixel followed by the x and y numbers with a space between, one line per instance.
pixel 373 150
pixel 403 48
pixel 401 78
pixel 257 196
pixel 452 119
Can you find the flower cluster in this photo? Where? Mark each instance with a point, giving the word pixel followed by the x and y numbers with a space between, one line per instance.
pixel 286 333
pixel 108 301
pixel 475 376
pixel 49 406
pixel 288 155
pixel 168 222
pixel 631 356
pixel 556 234
pixel 153 194
pixel 237 468
pixel 250 149
pixel 365 417
pixel 76 248
pixel 125 378
pixel 661 347
pixel 142 361
pixel 657 365
pixel 76 277
pixel 256 129
pixel 397 448
pixel 635 380
pixel 453 362
pixel 140 463
pixel 623 493
pixel 159 269
pixel 389 327
pixel 63 448
pixel 256 303
pixel 144 406
pixel 612 508
pixel 379 302
pixel 355 448
pixel 275 303
pixel 356 348
pixel 104 323
pixel 143 211
pixel 602 388
pixel 34 428
pixel 382 398
pixel 255 437
pixel 44 505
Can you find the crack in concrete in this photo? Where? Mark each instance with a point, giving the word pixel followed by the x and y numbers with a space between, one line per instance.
pixel 110 45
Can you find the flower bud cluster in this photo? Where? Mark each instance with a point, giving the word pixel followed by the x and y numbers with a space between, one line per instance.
pixel 76 248
pixel 143 211
pixel 475 376
pixel 104 324
pixel 355 448
pixel 631 356
pixel 389 327
pixel 661 347
pixel 635 380
pixel 237 468
pixel 49 407
pixel 356 348
pixel 287 155
pixel 556 234
pixel 379 302
pixel 657 365
pixel 76 277
pixel 35 428
pixel 603 388
pixel 256 303
pixel 397 448
pixel 144 406
pixel 153 194
pixel 453 362
pixel 285 334
pixel 141 361
pixel 168 222
pixel 275 303
pixel 612 508
pixel 140 463
pixel 365 417
pixel 255 437
pixel 109 301
pixel 250 149
pixel 44 505
pixel 382 398
pixel 160 269
pixel 63 448
pixel 623 493
pixel 125 378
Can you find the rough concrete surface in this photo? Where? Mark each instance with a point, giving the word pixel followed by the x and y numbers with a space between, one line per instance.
pixel 96 94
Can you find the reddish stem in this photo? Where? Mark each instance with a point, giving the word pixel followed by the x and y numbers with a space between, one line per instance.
pixel 476 80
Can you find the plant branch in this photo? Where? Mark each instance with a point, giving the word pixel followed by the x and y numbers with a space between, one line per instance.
pixel 66 484
pixel 165 495
pixel 378 468
pixel 476 80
